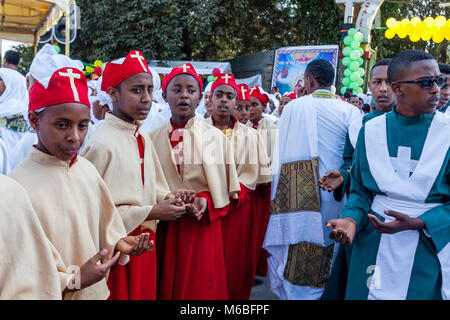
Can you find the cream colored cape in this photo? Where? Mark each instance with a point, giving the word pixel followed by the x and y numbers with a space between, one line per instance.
pixel 76 211
pixel 250 156
pixel 269 134
pixel 27 268
pixel 113 150
pixel 206 160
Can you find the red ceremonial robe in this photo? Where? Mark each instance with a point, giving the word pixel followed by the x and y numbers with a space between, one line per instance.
pixel 137 279
pixel 192 265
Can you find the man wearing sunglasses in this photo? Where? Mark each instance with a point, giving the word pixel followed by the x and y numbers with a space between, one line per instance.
pixel 398 212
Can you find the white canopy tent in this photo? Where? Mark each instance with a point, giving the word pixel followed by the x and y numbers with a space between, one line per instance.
pixel 202 67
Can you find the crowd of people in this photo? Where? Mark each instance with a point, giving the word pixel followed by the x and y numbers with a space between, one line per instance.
pixel 141 187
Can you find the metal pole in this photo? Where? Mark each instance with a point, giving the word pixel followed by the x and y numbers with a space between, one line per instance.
pixel 67 45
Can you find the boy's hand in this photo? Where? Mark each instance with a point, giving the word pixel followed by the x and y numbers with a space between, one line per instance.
pixel 197 208
pixel 343 230
pixel 331 180
pixel 135 245
pixel 91 272
pixel 168 210
pixel 402 222
pixel 185 195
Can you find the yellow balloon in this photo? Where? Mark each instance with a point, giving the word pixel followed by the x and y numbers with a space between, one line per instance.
pixel 437 38
pixel 440 21
pixel 447 23
pixel 98 63
pixel 420 27
pixel 89 69
pixel 426 36
pixel 389 33
pixel 447 34
pixel 409 28
pixel 404 21
pixel 433 29
pixel 429 21
pixel 443 30
pixel 402 34
pixel 415 20
pixel 390 22
pixel 396 26
pixel 414 37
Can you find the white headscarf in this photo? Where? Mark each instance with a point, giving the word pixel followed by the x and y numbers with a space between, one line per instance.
pixel 14 99
pixel 47 61
pixel 276 103
pixel 103 97
pixel 201 109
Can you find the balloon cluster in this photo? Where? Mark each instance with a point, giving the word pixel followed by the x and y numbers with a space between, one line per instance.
pixel 214 76
pixel 352 51
pixel 429 29
pixel 93 71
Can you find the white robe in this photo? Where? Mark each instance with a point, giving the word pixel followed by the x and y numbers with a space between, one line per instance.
pixel 309 127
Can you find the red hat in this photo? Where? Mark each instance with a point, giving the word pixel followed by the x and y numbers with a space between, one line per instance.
pixel 115 73
pixel 263 97
pixel 291 95
pixel 243 92
pixel 65 86
pixel 185 68
pixel 225 78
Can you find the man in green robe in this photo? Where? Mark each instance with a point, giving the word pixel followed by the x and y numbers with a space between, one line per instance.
pixel 398 212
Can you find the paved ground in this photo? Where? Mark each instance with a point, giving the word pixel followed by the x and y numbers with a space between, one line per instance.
pixel 261 290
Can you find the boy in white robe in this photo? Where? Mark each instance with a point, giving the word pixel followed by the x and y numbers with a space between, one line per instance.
pixel 71 200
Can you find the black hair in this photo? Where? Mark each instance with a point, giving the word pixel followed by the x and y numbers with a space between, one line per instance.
pixel 444 68
pixel 366 107
pixel 12 57
pixel 403 61
pixel 382 62
pixel 322 71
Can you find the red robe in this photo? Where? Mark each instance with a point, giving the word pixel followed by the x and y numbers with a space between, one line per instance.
pixel 259 222
pixel 193 266
pixel 137 279
pixel 237 242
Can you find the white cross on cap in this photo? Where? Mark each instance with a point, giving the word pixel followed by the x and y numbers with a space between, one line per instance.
pixel 140 58
pixel 226 76
pixel 185 67
pixel 243 92
pixel 252 89
pixel 72 76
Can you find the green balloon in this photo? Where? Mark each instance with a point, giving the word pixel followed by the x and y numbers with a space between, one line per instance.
pixel 343 90
pixel 352 31
pixel 361 51
pixel 345 81
pixel 358 36
pixel 354 77
pixel 360 61
pixel 211 78
pixel 354 65
pixel 353 86
pixel 346 61
pixel 357 90
pixel 347 40
pixel 346 51
pixel 355 44
pixel 347 72
pixel 354 55
pixel 361 72
pixel 360 82
pixel 57 48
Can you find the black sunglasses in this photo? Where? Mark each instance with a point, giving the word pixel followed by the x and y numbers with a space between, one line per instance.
pixel 428 82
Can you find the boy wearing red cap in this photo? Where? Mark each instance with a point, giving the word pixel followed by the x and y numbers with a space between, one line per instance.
pixel 242 109
pixel 71 200
pixel 242 229
pixel 195 155
pixel 267 129
pixel 126 159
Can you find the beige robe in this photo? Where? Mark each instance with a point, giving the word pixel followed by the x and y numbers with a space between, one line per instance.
pixel 76 211
pixel 113 150
pixel 250 156
pixel 205 157
pixel 269 134
pixel 27 268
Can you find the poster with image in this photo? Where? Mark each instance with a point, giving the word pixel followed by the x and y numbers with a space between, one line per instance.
pixel 290 64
